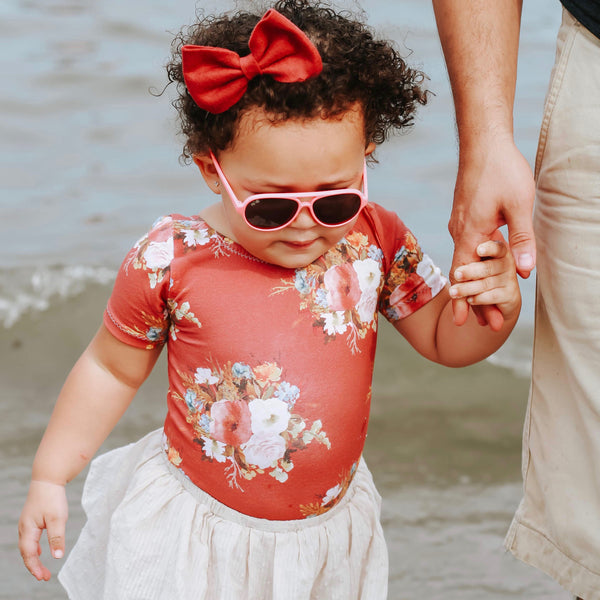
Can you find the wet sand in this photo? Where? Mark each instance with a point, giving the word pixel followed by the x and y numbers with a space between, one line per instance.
pixel 444 447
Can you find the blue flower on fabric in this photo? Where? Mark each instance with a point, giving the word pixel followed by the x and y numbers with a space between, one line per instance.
pixel 301 283
pixel 321 298
pixel 205 422
pixel 400 254
pixel 154 334
pixel 375 253
pixel 241 371
pixel 191 399
pixel 286 392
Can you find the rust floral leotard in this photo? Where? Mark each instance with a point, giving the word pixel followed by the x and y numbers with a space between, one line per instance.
pixel 269 368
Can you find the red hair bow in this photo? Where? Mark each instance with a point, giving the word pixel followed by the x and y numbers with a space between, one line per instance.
pixel 217 78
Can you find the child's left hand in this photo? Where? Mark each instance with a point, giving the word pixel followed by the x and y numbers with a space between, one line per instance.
pixel 492 280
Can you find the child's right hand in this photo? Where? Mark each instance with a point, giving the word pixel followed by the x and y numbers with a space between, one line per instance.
pixel 491 281
pixel 45 508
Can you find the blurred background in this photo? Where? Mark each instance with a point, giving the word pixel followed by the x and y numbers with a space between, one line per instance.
pixel 89 159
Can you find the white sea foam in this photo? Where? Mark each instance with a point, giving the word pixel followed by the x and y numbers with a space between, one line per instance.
pixel 520 365
pixel 22 293
pixel 516 353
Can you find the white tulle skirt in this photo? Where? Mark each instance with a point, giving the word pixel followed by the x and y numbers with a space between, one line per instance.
pixel 153 535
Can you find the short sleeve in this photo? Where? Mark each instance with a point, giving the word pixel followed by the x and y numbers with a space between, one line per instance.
pixel 137 311
pixel 411 279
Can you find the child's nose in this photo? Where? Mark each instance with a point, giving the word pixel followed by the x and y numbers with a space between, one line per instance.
pixel 304 219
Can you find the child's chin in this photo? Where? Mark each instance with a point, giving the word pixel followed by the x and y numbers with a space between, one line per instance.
pixel 292 264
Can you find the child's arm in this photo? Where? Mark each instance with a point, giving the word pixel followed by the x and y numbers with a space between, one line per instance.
pixel 95 395
pixel 431 330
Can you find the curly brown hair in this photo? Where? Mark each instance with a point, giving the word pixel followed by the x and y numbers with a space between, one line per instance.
pixel 357 68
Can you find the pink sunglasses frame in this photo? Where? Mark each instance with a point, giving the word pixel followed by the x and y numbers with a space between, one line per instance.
pixel 240 206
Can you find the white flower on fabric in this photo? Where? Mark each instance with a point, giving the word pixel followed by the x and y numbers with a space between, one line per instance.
pixel 180 312
pixel 334 322
pixel 431 274
pixel 369 274
pixel 279 474
pixel 195 237
pixel 264 449
pixel 214 449
pixel 332 494
pixel 367 305
pixel 269 417
pixel 205 376
pixel 159 255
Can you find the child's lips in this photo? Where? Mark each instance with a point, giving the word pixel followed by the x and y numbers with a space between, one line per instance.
pixel 300 244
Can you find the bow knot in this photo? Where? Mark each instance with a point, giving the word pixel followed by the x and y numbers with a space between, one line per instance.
pixel 217 78
pixel 250 68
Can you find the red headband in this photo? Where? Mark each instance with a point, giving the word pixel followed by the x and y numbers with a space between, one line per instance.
pixel 217 78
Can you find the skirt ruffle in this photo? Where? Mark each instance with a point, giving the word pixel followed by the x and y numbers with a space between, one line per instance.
pixel 152 535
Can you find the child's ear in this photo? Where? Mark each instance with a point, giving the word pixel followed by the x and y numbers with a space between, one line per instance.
pixel 370 148
pixel 207 169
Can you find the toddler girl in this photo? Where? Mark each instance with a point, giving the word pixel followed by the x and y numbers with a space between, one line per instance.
pixel 267 301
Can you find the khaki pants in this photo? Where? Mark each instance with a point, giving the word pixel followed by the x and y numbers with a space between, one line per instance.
pixel 557 525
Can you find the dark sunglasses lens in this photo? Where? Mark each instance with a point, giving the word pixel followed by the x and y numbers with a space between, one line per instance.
pixel 270 213
pixel 337 208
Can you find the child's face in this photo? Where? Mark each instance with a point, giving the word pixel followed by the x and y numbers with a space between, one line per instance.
pixel 291 156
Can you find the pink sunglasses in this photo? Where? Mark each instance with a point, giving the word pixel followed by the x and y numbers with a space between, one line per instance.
pixel 270 212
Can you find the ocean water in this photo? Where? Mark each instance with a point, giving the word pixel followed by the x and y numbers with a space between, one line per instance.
pixel 90 159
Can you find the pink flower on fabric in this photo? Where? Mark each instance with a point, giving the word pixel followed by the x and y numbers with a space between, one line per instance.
pixel 367 306
pixel 158 255
pixel 230 422
pixel 410 296
pixel 343 289
pixel 264 449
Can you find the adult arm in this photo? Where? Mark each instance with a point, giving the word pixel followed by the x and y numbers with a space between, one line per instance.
pixel 494 186
pixel 95 395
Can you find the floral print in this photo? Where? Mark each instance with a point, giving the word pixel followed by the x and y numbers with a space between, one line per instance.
pixel 235 426
pixel 154 252
pixel 332 495
pixel 245 416
pixel 341 289
pixel 412 282
pixel 345 287
pixel 152 331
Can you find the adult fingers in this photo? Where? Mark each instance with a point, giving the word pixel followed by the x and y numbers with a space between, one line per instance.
pixel 521 239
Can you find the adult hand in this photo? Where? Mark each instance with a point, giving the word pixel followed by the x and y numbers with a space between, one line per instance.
pixel 494 187
pixel 45 508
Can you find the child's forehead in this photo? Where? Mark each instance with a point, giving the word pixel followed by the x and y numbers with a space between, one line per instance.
pixel 294 154
pixel 260 125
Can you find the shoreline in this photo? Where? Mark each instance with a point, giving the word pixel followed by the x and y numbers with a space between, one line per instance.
pixel 444 447
pixel 429 425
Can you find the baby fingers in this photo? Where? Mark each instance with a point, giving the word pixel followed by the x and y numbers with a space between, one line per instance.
pixel 29 536
pixel 483 290
pixel 479 270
